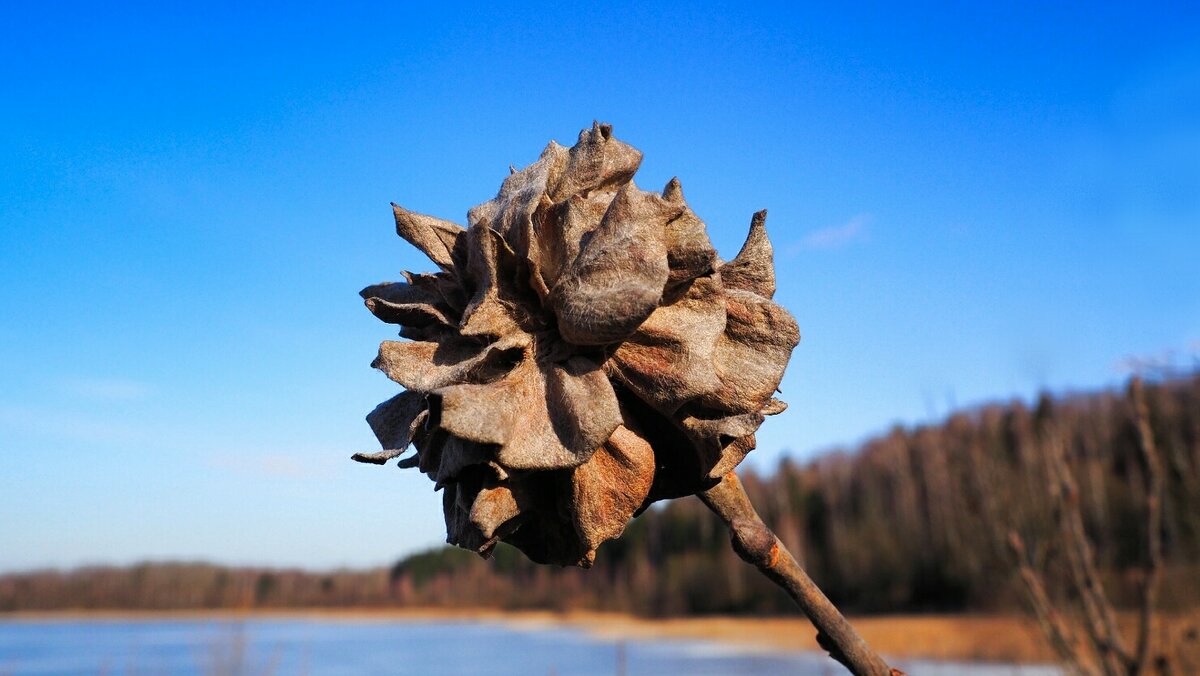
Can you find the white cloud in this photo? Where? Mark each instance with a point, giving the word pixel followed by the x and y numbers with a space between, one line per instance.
pixel 837 236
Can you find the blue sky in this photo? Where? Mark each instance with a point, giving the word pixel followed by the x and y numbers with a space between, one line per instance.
pixel 968 204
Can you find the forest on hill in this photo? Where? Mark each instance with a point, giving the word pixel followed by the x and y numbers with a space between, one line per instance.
pixel 912 520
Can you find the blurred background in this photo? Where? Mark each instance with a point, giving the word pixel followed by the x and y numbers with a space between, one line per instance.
pixel 985 219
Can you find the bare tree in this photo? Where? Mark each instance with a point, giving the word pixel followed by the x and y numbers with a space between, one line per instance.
pixel 1089 640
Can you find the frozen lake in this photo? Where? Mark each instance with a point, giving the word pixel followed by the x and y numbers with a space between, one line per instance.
pixel 321 646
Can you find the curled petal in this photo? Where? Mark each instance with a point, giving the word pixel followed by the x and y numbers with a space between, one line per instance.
pixel 441 285
pixel 395 422
pixel 540 419
pixel 496 511
pixel 455 456
pixel 596 162
pixel 710 437
pixel 610 487
pixel 494 308
pixel 668 361
pixel 408 314
pixel 753 269
pixel 690 254
pixel 751 353
pixel 732 455
pixel 559 229
pixel 440 240
pixel 617 279
pixel 456 506
pixel 511 212
pixel 427 366
pixel 399 292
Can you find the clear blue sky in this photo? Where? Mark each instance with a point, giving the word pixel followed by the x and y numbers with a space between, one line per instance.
pixel 968 204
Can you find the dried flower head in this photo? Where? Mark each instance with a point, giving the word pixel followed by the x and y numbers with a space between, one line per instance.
pixel 581 353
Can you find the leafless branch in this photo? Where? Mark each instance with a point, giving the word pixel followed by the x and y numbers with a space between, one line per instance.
pixel 1152 573
pixel 1054 627
pixel 756 544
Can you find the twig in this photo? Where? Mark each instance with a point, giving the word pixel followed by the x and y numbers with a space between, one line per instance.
pixel 1101 623
pixel 1153 514
pixel 1053 626
pixel 756 544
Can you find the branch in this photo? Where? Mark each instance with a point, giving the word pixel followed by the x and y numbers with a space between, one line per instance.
pixel 1153 515
pixel 1053 626
pixel 1101 623
pixel 756 544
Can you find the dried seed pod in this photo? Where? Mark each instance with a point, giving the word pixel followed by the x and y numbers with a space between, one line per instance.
pixel 581 353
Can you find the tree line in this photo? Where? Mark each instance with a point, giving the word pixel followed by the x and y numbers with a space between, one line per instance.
pixel 912 520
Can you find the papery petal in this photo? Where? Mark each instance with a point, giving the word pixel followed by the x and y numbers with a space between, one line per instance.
pixel 496 511
pixel 753 269
pixel 457 455
pixel 456 506
pixel 549 418
pixel 408 314
pixel 690 254
pixel 395 422
pixel 711 436
pixel 440 240
pixel 732 455
pixel 617 279
pixel 546 531
pixel 559 229
pixel 610 487
pixel 427 366
pixel 399 292
pixel 511 212
pixel 668 361
pixel 494 309
pixel 597 161
pixel 445 286
pixel 752 352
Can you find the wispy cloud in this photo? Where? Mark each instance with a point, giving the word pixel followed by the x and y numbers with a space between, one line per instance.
pixel 836 236
pixel 108 389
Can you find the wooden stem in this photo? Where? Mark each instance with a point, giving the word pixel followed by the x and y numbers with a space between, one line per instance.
pixel 756 544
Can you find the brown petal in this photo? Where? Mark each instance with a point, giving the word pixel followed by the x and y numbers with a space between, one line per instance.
pixel 427 366
pixel 710 437
pixel 669 359
pixel 456 506
pixel 497 510
pixel 394 423
pixel 494 308
pixel 398 292
pixel 732 455
pixel 753 269
pixel 439 240
pixel 407 314
pixel 511 212
pixel 597 162
pixel 559 230
pixel 540 420
pixel 617 279
pixel 690 254
pixel 445 286
pixel 752 353
pixel 610 487
pixel 456 455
